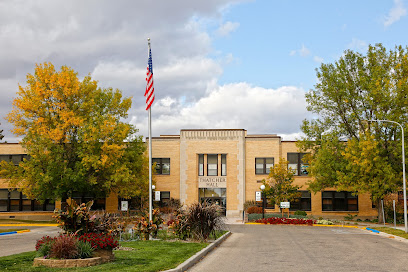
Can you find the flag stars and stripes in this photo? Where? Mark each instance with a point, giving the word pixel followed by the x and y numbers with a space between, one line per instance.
pixel 149 94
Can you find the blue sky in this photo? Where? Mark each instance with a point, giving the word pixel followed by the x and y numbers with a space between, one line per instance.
pixel 217 63
pixel 268 31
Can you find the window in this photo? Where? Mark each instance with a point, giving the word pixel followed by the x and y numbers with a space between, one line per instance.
pixel 212 165
pixel 98 203
pixel 263 165
pixel 223 164
pixel 15 201
pixel 15 158
pixel 296 163
pixel 201 164
pixel 303 203
pixel 339 201
pixel 4 196
pixel 162 166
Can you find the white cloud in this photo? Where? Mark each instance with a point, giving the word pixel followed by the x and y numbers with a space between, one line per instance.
pixel 395 14
pixel 358 45
pixel 227 28
pixel 237 105
pixel 318 59
pixel 303 51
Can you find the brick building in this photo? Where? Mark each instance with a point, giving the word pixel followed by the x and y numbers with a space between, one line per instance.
pixel 224 166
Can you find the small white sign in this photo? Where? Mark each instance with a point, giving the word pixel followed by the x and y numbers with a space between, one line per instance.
pixel 156 195
pixel 285 205
pixel 258 196
pixel 124 205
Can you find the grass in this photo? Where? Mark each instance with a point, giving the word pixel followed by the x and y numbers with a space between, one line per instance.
pixel 396 232
pixel 9 230
pixel 147 256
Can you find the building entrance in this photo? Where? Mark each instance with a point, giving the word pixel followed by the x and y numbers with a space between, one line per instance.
pixel 216 196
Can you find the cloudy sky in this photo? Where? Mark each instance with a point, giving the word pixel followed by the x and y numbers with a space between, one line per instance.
pixel 217 63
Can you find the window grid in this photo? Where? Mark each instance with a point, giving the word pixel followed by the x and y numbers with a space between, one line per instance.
pixel 296 164
pixel 339 201
pixel 162 166
pixel 263 165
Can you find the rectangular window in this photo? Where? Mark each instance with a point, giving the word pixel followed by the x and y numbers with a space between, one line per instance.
pixel 201 164
pixel 296 163
pixel 162 166
pixel 15 201
pixel 14 158
pixel 4 196
pixel 263 165
pixel 212 165
pixel 223 164
pixel 339 201
pixel 303 203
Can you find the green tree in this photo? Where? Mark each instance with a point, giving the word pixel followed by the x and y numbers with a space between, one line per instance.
pixel 74 136
pixel 279 184
pixel 348 152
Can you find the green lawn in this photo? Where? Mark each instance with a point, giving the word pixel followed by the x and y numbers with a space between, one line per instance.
pixel 395 232
pixel 147 256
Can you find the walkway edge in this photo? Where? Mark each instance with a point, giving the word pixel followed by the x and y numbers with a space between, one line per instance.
pixel 199 255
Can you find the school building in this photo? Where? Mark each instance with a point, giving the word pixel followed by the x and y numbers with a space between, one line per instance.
pixel 223 166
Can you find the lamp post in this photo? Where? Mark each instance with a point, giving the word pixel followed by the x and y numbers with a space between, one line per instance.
pixel 404 185
pixel 263 200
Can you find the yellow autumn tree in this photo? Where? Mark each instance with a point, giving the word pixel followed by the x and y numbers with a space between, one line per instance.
pixel 279 185
pixel 75 139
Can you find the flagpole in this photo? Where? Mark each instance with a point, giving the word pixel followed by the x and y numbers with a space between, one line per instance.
pixel 150 155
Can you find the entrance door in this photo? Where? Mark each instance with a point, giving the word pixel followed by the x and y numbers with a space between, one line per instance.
pixel 216 196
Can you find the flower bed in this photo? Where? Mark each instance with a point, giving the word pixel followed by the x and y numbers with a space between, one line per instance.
pixel 286 221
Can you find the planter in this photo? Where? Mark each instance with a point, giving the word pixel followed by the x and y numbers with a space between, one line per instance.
pixel 106 254
pixel 68 262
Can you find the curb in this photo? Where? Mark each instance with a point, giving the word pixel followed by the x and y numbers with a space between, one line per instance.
pixel 28 225
pixel 14 232
pixel 199 255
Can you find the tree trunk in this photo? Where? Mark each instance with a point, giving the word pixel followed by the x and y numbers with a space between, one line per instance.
pixel 380 212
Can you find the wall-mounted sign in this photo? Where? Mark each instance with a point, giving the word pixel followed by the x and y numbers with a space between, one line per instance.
pixel 258 196
pixel 285 205
pixel 156 195
pixel 212 182
pixel 124 206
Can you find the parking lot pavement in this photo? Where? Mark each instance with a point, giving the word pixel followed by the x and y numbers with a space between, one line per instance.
pixel 304 248
pixel 23 242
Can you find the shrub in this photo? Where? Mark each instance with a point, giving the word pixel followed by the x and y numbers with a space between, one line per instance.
pixel 43 246
pixel 76 218
pixel 286 221
pixel 64 247
pixel 204 219
pixel 254 209
pixel 44 240
pixel 179 225
pixel 303 213
pixel 85 249
pixel 324 222
pixel 249 204
pixel 99 240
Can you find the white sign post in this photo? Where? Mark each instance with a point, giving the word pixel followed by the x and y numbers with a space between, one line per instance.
pixel 156 195
pixel 124 206
pixel 258 196
pixel 285 205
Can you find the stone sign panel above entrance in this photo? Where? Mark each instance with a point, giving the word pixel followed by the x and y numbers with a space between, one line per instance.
pixel 212 182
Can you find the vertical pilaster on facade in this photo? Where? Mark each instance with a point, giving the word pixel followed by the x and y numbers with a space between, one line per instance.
pixel 183 170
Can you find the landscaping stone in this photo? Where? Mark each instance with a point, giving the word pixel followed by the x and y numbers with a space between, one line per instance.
pixel 68 262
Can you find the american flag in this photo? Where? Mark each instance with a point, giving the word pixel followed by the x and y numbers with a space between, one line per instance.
pixel 149 94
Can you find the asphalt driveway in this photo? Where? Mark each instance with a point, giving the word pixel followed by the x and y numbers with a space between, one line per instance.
pixel 304 248
pixel 23 242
